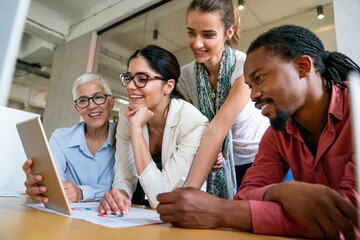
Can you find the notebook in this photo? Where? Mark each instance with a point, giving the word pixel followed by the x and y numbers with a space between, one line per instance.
pixel 36 146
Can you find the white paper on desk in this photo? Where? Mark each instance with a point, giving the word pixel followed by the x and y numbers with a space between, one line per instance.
pixel 88 211
pixel 6 193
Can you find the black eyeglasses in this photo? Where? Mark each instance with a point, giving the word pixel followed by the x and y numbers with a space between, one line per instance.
pixel 98 99
pixel 140 79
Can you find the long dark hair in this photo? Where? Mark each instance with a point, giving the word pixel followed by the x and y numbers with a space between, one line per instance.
pixel 228 13
pixel 291 42
pixel 162 61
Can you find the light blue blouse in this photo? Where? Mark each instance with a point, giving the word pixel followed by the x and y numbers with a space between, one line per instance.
pixel 94 175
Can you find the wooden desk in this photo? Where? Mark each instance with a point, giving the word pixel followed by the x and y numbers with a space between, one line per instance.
pixel 18 222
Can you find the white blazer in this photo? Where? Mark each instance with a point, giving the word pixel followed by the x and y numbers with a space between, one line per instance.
pixel 182 135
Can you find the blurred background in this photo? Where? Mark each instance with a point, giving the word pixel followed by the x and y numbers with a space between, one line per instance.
pixel 126 25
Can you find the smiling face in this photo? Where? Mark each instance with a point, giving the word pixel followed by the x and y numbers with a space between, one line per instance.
pixel 276 87
pixel 95 116
pixel 206 36
pixel 155 95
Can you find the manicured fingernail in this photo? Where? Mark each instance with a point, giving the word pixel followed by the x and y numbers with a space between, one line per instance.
pixel 108 212
pixel 102 211
pixel 117 213
pixel 124 213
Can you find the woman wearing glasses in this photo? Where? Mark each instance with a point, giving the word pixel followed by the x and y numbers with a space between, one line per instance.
pixel 83 153
pixel 158 133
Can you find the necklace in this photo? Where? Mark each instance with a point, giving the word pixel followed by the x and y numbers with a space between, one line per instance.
pixel 213 92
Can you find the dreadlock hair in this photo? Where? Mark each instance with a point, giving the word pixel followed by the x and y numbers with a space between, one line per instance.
pixel 291 42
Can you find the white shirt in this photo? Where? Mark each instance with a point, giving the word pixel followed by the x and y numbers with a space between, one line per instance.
pixel 249 126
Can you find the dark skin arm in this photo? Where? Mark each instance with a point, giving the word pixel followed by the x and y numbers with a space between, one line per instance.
pixel 312 206
pixel 193 208
pixel 317 207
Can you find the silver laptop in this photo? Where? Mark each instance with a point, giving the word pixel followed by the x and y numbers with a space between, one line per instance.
pixel 36 146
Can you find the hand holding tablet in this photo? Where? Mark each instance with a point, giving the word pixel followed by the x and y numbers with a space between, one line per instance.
pixel 36 147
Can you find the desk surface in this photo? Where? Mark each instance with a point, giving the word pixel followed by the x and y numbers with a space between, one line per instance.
pixel 15 224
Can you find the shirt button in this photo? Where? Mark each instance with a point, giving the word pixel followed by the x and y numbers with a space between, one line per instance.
pixel 316 169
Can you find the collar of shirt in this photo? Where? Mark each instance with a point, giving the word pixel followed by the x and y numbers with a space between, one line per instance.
pixel 78 137
pixel 336 109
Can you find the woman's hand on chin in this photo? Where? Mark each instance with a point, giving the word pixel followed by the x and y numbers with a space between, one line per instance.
pixel 139 116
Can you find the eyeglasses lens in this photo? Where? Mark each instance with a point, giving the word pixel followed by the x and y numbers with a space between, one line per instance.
pixel 140 80
pixel 84 102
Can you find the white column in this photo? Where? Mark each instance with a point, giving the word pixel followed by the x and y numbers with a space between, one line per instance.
pixel 347 28
pixel 71 59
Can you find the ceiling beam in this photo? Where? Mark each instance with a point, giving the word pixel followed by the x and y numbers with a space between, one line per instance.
pixel 108 16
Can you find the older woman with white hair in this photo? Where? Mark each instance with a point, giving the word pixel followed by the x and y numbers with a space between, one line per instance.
pixel 83 153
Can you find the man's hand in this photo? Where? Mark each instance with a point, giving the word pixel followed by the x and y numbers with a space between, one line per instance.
pixel 115 200
pixel 189 208
pixel 32 189
pixel 73 193
pixel 192 208
pixel 319 208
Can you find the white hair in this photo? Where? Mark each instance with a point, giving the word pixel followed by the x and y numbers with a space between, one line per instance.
pixel 88 77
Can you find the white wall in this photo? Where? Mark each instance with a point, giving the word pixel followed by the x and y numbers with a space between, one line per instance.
pixel 347 26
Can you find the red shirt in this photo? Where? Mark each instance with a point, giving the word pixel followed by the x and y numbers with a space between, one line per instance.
pixel 333 166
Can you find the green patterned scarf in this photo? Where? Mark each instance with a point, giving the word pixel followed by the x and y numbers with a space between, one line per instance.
pixel 220 182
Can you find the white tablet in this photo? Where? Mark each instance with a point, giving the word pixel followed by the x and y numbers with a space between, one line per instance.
pixel 36 146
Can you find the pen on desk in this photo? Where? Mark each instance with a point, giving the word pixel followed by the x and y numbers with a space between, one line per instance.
pixel 181 181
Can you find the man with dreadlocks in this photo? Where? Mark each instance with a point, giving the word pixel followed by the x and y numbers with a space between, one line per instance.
pixel 300 87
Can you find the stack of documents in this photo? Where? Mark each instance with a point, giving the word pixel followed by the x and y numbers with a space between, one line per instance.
pixel 88 211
